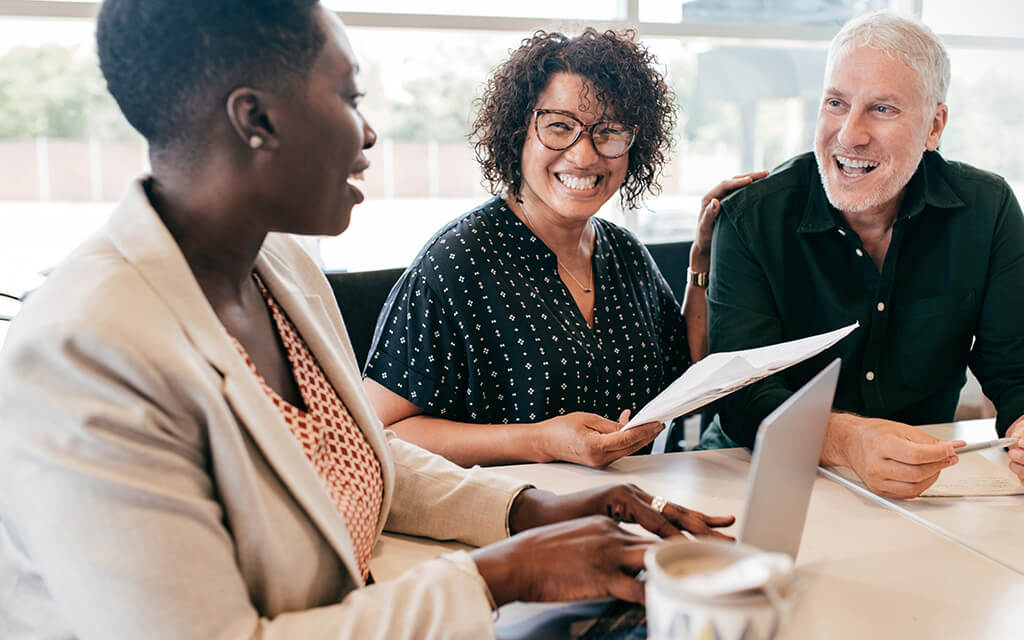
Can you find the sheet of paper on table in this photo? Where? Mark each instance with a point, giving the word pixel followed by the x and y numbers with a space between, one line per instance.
pixel 719 374
pixel 982 473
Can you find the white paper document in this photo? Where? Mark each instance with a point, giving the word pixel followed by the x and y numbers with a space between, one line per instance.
pixel 719 374
pixel 976 474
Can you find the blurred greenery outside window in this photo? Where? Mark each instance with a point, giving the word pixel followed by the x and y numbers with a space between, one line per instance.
pixel 746 73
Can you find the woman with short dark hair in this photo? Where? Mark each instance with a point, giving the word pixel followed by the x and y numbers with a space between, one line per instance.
pixel 186 450
pixel 529 316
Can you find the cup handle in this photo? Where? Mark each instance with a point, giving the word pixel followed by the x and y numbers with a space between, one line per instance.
pixel 782 606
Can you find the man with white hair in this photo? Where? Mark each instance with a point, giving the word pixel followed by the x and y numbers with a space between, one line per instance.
pixel 877 227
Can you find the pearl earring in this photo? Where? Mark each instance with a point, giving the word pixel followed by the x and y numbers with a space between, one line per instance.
pixel 255 142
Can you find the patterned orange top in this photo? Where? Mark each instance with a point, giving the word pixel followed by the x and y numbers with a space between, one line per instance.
pixel 329 436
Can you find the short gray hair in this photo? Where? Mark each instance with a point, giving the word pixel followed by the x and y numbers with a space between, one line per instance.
pixel 913 42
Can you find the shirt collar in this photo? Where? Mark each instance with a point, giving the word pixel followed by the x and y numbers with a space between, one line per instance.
pixel 515 235
pixel 928 187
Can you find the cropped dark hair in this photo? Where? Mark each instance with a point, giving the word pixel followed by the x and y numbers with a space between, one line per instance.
pixel 171 63
pixel 624 79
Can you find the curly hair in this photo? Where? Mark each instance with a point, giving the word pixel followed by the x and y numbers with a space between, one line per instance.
pixel 624 79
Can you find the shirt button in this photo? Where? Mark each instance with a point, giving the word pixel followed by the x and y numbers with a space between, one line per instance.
pixel 841 231
pixel 860 254
pixel 881 306
pixel 869 376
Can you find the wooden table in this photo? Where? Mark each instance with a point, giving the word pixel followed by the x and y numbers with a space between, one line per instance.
pixel 870 569
pixel 991 525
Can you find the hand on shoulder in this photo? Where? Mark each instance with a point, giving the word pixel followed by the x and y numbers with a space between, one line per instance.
pixel 700 254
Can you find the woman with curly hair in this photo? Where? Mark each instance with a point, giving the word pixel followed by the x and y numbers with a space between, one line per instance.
pixel 528 315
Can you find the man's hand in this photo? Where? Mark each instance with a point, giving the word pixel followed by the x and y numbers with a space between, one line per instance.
pixel 893 459
pixel 1016 452
pixel 621 502
pixel 589 439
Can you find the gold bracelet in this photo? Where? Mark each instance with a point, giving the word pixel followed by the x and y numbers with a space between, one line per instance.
pixel 697 278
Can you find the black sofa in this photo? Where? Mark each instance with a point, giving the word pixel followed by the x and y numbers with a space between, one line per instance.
pixel 361 294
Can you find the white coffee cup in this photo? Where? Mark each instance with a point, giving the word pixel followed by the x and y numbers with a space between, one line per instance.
pixel 675 613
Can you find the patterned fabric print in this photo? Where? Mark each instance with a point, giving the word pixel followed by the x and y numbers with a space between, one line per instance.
pixel 329 437
pixel 482 329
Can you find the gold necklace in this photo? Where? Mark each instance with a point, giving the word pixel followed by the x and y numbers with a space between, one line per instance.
pixel 585 288
pixel 579 284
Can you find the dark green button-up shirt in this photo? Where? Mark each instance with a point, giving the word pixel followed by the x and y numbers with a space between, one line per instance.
pixel 784 265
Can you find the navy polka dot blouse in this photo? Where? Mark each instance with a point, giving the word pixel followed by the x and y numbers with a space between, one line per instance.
pixel 481 328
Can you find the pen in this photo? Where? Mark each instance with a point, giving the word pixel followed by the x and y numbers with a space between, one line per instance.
pixel 978 446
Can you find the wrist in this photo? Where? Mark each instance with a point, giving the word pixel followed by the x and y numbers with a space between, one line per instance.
pixel 1016 429
pixel 539 442
pixel 700 257
pixel 529 510
pixel 497 570
pixel 520 512
pixel 842 428
pixel 697 278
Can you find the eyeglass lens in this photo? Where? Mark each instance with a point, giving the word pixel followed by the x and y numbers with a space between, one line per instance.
pixel 559 131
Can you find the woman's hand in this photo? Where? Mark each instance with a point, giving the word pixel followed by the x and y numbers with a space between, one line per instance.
pixel 700 254
pixel 621 502
pixel 589 439
pixel 583 558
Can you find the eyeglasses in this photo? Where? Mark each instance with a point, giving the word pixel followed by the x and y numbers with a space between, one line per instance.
pixel 558 131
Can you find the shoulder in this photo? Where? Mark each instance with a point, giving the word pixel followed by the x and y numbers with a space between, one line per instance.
pixel 631 249
pixel 621 240
pixel 617 237
pixel 96 290
pixel 968 178
pixel 96 325
pixel 463 241
pixel 638 265
pixel 787 186
pixel 977 198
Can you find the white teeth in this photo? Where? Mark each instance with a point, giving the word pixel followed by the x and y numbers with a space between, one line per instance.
pixel 577 183
pixel 856 164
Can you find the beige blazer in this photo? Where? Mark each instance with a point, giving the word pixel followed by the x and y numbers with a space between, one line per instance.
pixel 150 489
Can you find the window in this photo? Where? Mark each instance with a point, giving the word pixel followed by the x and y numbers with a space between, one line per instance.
pixel 544 9
pixel 984 17
pixel 747 74
pixel 831 13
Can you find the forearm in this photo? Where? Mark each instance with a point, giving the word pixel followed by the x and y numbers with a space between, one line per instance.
pixel 695 313
pixel 469 444
pixel 695 305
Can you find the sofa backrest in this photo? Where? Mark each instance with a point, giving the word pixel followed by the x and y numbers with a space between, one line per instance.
pixel 361 294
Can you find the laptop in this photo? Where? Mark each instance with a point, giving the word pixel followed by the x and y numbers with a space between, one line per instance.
pixel 785 464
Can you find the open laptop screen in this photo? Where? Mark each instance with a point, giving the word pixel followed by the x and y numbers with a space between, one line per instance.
pixel 785 464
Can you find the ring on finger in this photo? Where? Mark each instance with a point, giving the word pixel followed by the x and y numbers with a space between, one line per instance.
pixel 658 503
